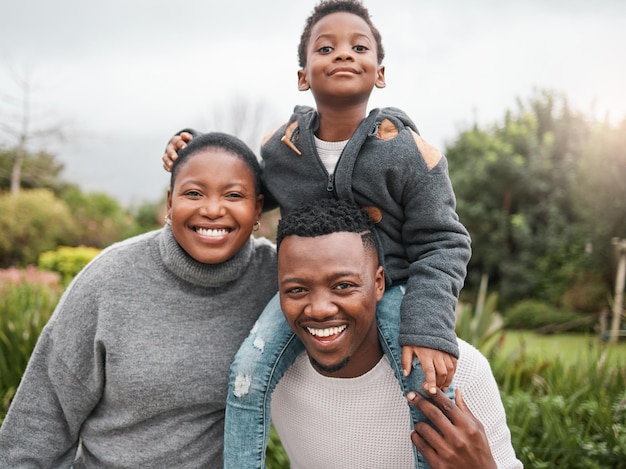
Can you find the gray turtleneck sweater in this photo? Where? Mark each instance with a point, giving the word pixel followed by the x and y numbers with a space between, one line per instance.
pixel 132 369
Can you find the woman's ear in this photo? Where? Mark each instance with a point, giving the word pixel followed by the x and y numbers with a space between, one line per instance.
pixel 259 205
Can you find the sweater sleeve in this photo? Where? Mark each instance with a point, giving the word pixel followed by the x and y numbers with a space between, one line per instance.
pixel 438 249
pixel 55 395
pixel 482 396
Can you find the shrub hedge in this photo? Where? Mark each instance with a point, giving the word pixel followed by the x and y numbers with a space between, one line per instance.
pixel 67 261
pixel 532 315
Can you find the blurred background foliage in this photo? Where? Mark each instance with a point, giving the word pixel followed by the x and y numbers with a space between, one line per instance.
pixel 542 193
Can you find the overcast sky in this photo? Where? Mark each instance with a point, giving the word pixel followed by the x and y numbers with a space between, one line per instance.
pixel 125 75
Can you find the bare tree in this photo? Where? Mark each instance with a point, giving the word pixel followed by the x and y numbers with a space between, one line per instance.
pixel 16 122
pixel 247 119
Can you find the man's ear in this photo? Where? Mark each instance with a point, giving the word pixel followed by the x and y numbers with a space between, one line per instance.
pixel 380 77
pixel 380 283
pixel 303 83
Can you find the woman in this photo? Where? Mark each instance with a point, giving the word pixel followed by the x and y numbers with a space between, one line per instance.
pixel 132 368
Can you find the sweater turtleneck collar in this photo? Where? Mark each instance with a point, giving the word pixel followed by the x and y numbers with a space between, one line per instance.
pixel 190 270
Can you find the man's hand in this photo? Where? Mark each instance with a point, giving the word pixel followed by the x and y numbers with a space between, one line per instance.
pixel 439 367
pixel 461 440
pixel 177 142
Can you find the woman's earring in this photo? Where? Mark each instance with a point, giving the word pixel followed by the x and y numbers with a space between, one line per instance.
pixel 256 226
pixel 167 220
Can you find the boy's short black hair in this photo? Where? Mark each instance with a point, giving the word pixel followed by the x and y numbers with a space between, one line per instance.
pixel 326 7
pixel 328 216
pixel 219 140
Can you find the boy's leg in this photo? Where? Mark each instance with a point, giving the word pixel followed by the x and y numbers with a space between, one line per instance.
pixel 260 363
pixel 388 318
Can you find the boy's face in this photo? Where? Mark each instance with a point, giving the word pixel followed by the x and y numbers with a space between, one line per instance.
pixel 329 286
pixel 342 62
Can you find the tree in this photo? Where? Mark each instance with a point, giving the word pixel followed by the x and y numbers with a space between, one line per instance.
pixel 515 186
pixel 246 119
pixel 39 170
pixel 600 192
pixel 20 124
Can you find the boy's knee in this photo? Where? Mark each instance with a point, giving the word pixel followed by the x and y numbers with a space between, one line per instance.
pixel 241 386
pixel 258 344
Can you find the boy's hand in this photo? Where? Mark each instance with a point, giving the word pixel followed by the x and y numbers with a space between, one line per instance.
pixel 177 142
pixel 438 366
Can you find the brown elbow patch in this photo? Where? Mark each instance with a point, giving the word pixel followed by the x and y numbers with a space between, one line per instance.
pixel 374 212
pixel 286 139
pixel 268 136
pixel 432 156
pixel 386 130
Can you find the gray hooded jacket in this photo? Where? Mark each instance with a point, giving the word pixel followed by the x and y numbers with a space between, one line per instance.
pixel 403 183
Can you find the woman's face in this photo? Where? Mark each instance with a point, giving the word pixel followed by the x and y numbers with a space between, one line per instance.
pixel 213 206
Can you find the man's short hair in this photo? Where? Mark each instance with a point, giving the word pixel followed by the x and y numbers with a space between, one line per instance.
pixel 327 216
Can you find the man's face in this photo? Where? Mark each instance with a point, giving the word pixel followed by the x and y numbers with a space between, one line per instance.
pixel 329 286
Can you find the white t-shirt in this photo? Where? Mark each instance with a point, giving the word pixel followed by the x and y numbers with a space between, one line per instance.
pixel 329 152
pixel 365 422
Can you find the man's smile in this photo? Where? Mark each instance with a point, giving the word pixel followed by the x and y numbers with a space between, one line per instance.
pixel 326 332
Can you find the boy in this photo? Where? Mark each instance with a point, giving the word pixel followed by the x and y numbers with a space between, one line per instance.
pixel 383 165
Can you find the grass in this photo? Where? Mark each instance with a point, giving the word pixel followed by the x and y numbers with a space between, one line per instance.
pixel 565 399
pixel 569 348
pixel 24 309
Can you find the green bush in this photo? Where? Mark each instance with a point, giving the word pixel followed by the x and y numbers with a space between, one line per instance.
pixel 589 292
pixel 100 218
pixel 24 310
pixel 67 261
pixel 570 416
pixel 30 223
pixel 276 457
pixel 532 315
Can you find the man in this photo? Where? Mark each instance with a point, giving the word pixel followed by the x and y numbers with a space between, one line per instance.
pixel 340 405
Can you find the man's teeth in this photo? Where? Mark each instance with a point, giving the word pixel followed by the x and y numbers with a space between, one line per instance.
pixel 326 332
pixel 205 232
